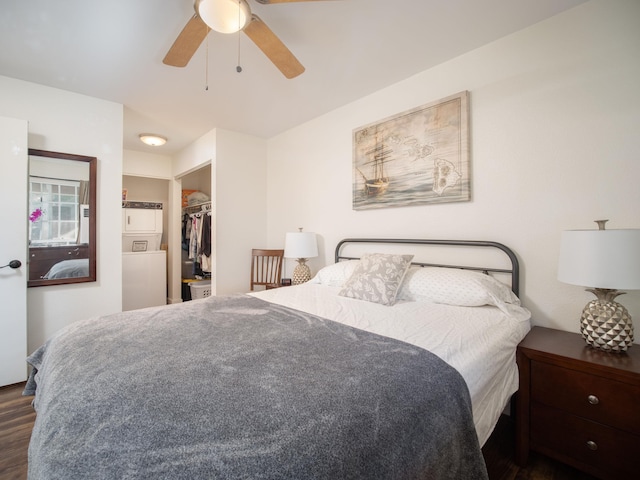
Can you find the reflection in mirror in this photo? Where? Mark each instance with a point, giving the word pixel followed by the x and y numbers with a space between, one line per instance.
pixel 62 218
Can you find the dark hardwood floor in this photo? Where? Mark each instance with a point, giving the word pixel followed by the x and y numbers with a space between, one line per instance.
pixel 17 417
pixel 16 421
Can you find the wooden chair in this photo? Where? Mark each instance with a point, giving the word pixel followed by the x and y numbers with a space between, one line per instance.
pixel 266 267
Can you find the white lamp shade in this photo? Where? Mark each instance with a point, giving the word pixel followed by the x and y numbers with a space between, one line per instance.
pixel 600 258
pixel 300 245
pixel 224 16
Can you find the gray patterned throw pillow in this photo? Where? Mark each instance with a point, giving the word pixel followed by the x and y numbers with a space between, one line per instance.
pixel 377 278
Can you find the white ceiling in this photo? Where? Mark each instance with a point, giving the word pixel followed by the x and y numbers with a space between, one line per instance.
pixel 113 50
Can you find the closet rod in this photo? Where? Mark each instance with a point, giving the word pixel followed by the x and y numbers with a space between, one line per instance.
pixel 199 208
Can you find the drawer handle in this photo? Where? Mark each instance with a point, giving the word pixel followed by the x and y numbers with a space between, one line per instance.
pixel 592 445
pixel 593 400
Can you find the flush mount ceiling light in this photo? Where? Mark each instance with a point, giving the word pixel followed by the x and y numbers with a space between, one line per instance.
pixel 224 16
pixel 153 139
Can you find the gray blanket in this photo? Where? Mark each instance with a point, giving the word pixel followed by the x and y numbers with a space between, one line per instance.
pixel 238 388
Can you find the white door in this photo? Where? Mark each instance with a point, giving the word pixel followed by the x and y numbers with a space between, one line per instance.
pixel 13 246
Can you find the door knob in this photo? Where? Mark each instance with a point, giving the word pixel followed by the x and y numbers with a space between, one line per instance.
pixel 13 264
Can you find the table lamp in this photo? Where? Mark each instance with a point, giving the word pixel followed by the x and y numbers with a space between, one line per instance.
pixel 302 246
pixel 605 261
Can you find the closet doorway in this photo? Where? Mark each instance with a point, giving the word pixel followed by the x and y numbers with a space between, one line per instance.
pixel 196 245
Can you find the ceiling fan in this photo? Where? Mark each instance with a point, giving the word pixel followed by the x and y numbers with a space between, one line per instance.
pixel 229 16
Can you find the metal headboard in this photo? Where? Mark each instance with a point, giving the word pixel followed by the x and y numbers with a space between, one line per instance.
pixel 514 271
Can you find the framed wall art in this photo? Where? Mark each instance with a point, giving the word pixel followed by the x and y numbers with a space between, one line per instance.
pixel 417 157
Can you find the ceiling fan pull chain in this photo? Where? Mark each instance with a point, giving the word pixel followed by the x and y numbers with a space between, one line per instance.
pixel 238 67
pixel 206 68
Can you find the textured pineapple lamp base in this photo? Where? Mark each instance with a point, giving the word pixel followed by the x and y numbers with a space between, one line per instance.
pixel 302 273
pixel 605 324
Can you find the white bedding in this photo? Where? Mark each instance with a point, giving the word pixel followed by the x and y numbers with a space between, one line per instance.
pixel 480 342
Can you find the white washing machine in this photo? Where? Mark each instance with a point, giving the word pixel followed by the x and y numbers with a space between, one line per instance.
pixel 144 279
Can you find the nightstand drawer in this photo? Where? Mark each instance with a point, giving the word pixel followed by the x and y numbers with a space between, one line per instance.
pixel 615 454
pixel 596 398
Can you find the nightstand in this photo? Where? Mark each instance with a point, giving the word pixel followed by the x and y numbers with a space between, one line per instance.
pixel 578 405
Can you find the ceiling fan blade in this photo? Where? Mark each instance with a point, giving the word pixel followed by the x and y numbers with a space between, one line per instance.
pixel 273 48
pixel 267 2
pixel 187 42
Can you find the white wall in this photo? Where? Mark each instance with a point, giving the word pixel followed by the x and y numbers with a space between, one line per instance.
pixel 145 164
pixel 555 113
pixel 199 153
pixel 70 123
pixel 240 208
pixel 239 189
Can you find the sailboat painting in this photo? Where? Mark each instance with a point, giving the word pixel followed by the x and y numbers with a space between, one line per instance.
pixel 420 156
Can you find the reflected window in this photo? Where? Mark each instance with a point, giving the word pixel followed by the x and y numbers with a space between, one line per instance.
pixel 54 212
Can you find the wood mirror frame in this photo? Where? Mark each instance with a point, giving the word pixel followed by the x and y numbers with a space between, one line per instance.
pixel 41 259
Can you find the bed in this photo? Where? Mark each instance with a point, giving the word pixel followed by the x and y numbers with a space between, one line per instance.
pixel 69 269
pixel 380 367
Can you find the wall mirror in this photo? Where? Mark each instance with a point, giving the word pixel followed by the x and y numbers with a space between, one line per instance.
pixel 62 218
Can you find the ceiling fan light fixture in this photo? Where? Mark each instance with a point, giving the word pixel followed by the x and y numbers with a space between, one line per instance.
pixel 152 139
pixel 224 16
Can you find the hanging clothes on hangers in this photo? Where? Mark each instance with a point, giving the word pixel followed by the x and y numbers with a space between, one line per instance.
pixel 205 242
pixel 198 229
pixel 186 231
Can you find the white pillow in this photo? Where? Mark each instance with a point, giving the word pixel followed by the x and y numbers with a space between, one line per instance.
pixel 337 274
pixel 454 286
pixel 377 278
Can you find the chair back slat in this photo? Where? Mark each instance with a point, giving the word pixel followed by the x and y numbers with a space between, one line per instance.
pixel 266 267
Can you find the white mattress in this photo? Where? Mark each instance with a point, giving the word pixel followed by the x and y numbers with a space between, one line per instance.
pixel 480 342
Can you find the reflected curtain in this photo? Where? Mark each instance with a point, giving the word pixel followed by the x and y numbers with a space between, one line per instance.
pixel 83 199
pixel 83 193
